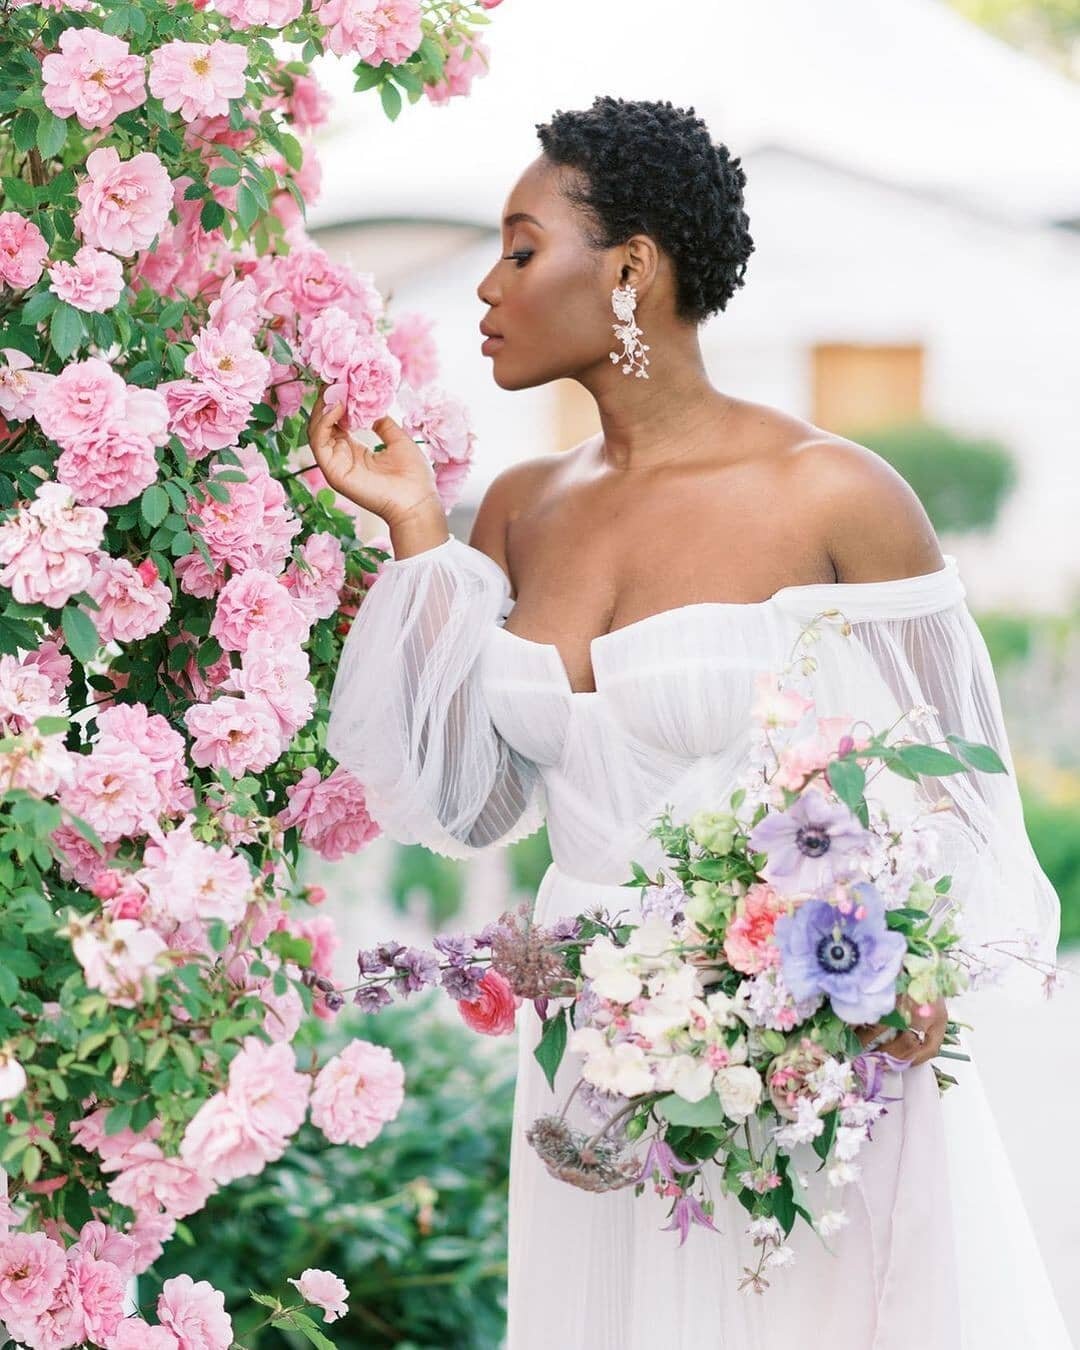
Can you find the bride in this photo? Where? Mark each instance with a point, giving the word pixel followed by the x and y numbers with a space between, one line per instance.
pixel 646 575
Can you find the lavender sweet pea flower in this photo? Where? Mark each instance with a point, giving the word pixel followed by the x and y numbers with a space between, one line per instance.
pixel 852 958
pixel 662 1158
pixel 810 845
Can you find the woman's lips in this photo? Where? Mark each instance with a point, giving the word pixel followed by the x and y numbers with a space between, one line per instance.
pixel 491 344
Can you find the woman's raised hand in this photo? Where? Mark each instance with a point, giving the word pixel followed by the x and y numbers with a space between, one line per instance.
pixel 393 483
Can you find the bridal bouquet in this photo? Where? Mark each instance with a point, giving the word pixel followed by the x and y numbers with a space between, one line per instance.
pixel 719 1024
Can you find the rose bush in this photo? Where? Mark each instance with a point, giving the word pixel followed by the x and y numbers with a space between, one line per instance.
pixel 175 584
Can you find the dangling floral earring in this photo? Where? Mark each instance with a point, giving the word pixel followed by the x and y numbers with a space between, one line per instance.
pixel 624 302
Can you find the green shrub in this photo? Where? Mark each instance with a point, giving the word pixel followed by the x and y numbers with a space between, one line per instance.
pixel 1054 830
pixel 961 482
pixel 414 1283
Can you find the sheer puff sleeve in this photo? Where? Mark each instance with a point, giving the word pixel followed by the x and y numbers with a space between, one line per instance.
pixel 407 714
pixel 912 643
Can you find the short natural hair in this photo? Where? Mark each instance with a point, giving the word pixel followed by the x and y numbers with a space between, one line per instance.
pixel 651 168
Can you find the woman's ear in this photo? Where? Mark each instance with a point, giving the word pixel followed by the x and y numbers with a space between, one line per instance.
pixel 640 262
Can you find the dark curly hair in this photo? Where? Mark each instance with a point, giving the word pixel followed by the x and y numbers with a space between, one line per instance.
pixel 651 168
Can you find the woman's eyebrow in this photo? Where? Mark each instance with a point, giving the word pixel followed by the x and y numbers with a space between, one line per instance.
pixel 515 216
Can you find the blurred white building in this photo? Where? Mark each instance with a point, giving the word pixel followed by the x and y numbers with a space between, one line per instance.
pixel 913 197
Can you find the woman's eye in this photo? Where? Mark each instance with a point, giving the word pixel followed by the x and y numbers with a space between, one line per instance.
pixel 522 255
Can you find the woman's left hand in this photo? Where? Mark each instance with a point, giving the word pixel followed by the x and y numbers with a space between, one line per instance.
pixel 907 1045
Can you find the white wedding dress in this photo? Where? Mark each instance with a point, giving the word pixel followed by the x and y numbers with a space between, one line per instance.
pixel 467 736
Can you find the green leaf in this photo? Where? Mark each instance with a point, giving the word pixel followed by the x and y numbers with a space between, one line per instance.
pixel 367 77
pixel 549 1052
pixel 79 633
pixel 299 1321
pixel 391 100
pixel 39 306
pixel 847 779
pixel 51 726
pixel 929 760
pixel 824 1141
pixel 25 132
pixel 247 207
pixel 678 1111
pixel 225 175
pixel 154 504
pixel 118 1118
pixel 31 1163
pixel 979 756
pixel 51 133
pixel 213 213
pixel 65 330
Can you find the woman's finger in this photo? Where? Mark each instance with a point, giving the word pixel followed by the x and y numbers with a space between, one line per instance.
pixel 329 419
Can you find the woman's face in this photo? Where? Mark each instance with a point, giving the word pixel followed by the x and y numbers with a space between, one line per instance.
pixel 550 304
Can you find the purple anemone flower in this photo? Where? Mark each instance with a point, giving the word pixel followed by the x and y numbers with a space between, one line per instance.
pixel 852 958
pixel 810 843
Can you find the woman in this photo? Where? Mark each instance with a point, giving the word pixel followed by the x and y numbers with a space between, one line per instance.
pixel 647 574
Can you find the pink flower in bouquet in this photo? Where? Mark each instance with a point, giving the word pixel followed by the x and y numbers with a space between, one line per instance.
pixel 93 77
pixel 226 356
pixel 54 663
pixel 412 343
pixel 321 931
pixel 85 396
pixel 31 1269
pixel 197 79
pixel 316 579
pixel 356 1093
pixel 286 391
pixel 256 602
pixel 441 420
pixel 235 733
pixel 62 524
pixel 278 674
pixel 323 1289
pixel 129 608
pixel 309 104
pixel 810 753
pixel 94 280
pixel 374 30
pixel 331 813
pixel 79 860
pixel 195 1314
pixel 459 70
pixel 124 203
pixel 748 943
pixel 493 1013
pixel 260 13
pixel 20 384
pixel 204 416
pixel 776 707
pixel 23 251
pixel 135 1334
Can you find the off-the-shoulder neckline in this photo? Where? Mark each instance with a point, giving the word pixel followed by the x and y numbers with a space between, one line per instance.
pixel 894 586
